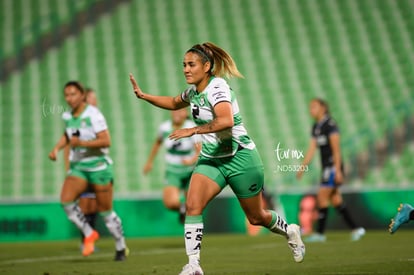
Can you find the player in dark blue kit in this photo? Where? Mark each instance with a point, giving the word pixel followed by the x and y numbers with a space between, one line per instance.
pixel 325 135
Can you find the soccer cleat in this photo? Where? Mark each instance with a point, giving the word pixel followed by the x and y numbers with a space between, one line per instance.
pixel 357 233
pixel 89 243
pixel 316 238
pixel 121 255
pixel 81 248
pixel 403 216
pixel 295 242
pixel 191 269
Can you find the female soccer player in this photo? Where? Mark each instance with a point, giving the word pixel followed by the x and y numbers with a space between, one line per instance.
pixel 228 155
pixel 88 135
pixel 87 200
pixel 325 135
pixel 181 156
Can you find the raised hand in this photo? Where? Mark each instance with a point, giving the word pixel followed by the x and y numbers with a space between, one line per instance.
pixel 137 90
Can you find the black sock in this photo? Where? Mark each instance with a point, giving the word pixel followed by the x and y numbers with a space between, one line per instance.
pixel 322 217
pixel 91 219
pixel 343 210
pixel 412 215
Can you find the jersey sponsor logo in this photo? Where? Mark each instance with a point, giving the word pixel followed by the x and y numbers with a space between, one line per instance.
pixel 219 95
pixel 322 140
pixel 176 144
pixel 195 111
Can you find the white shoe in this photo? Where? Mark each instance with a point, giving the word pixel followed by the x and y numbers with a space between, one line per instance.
pixel 191 269
pixel 357 234
pixel 295 242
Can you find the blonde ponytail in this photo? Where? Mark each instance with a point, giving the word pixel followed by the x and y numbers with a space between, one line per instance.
pixel 221 63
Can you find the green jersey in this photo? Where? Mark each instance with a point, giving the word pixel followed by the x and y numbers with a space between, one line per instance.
pixel 224 143
pixel 86 126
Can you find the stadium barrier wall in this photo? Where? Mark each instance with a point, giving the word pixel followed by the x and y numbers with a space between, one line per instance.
pixel 149 218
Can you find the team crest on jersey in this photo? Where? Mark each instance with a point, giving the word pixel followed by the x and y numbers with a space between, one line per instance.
pixel 202 101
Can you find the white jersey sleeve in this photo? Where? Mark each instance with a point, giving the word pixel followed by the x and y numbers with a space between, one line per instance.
pixel 98 122
pixel 219 92
pixel 164 130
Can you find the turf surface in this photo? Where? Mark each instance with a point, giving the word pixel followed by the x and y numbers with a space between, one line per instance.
pixel 377 253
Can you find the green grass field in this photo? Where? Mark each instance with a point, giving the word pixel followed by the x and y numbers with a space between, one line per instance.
pixel 377 253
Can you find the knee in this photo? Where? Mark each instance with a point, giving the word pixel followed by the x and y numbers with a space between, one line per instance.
pixel 103 205
pixel 65 198
pixel 337 202
pixel 193 208
pixel 323 202
pixel 171 204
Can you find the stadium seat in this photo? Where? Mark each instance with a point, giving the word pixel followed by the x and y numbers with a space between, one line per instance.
pixel 356 54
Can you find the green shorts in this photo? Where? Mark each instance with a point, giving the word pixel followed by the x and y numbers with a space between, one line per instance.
pixel 243 172
pixel 102 177
pixel 179 180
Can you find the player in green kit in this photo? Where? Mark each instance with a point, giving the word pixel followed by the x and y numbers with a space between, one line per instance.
pixel 87 200
pixel 87 134
pixel 180 157
pixel 228 155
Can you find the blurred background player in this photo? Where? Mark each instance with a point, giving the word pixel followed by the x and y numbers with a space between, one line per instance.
pixel 325 135
pixel 180 157
pixel 87 200
pixel 88 135
pixel 404 215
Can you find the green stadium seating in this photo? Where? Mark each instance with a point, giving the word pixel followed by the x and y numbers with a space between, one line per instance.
pixel 359 55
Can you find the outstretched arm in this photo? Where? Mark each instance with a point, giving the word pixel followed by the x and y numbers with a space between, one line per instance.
pixel 153 154
pixel 164 102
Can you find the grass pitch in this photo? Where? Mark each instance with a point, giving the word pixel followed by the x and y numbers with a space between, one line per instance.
pixel 377 253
